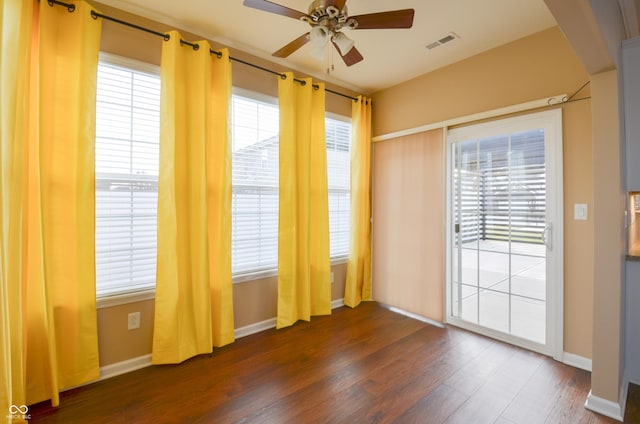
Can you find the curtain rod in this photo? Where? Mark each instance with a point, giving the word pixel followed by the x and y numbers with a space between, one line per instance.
pixel 95 15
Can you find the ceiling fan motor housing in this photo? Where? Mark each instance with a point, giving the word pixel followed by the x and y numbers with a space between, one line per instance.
pixel 328 16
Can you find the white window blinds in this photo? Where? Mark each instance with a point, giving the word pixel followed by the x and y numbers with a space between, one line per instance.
pixel 338 176
pixel 255 184
pixel 127 148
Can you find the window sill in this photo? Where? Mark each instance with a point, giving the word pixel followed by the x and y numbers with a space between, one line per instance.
pixel 252 276
pixel 109 301
pixel 124 298
pixel 268 273
pixel 339 260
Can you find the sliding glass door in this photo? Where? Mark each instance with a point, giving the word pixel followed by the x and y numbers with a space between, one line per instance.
pixel 504 262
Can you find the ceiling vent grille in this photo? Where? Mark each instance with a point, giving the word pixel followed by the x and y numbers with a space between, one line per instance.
pixel 446 39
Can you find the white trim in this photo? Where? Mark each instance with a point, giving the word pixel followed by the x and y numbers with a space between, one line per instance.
pixel 447 230
pixel 273 272
pixel 624 389
pixel 604 407
pixel 576 361
pixel 254 328
pixel 254 275
pixel 124 298
pixel 551 122
pixel 607 407
pixel 338 303
pixel 534 104
pixel 339 260
pixel 555 220
pixel 412 315
pixel 499 335
pixel 448 227
pixel 144 361
pixel 124 367
pixel 270 323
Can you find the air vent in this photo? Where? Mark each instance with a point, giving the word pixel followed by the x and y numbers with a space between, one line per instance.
pixel 446 39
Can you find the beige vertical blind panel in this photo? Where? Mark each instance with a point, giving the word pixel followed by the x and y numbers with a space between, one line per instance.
pixel 408 223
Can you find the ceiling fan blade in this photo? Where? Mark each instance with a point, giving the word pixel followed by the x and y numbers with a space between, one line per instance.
pixel 268 6
pixel 292 46
pixel 392 19
pixel 352 57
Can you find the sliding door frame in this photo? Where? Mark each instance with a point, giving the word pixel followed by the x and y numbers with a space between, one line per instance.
pixel 551 121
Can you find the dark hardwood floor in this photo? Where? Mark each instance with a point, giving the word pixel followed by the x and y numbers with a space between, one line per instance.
pixel 357 366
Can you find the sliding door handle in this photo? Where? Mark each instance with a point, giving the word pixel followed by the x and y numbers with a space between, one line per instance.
pixel 547 236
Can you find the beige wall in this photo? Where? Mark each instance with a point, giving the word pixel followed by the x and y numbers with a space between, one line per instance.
pixel 578 235
pixel 408 223
pixel 610 239
pixel 534 67
pixel 254 301
pixel 135 44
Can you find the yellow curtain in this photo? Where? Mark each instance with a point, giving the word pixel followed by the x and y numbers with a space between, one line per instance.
pixel 15 55
pixel 304 268
pixel 193 305
pixel 358 284
pixel 48 261
pixel 219 202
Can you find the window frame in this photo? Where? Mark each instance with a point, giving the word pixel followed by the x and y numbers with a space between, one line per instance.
pixel 343 258
pixel 255 274
pixel 273 272
pixel 123 297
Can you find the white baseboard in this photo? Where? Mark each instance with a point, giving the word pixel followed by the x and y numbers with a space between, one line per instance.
pixel 607 407
pixel 270 323
pixel 576 361
pixel 257 327
pixel 123 367
pixel 412 315
pixel 143 361
pixel 604 407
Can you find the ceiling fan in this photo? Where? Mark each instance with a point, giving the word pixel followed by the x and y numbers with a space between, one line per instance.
pixel 327 18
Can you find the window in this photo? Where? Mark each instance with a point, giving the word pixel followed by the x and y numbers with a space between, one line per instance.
pixel 255 184
pixel 254 226
pixel 127 150
pixel 338 176
pixel 127 153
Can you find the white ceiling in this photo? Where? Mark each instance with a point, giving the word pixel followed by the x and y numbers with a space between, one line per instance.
pixel 391 56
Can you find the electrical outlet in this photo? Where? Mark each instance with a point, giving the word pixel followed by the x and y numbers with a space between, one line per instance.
pixel 133 321
pixel 331 277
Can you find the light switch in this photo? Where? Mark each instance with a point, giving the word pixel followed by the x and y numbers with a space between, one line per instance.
pixel 580 212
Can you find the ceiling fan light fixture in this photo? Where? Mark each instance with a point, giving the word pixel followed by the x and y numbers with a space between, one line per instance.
pixel 319 36
pixel 318 52
pixel 344 43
